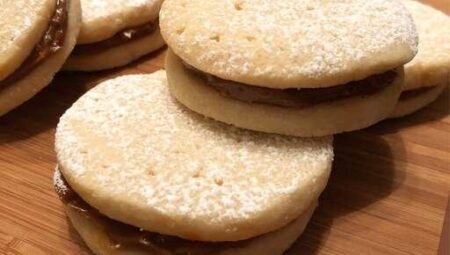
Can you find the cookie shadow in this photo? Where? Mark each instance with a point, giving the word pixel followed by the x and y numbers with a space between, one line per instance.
pixel 157 61
pixel 363 173
pixel 39 114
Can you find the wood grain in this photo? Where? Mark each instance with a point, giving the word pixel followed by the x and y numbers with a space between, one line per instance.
pixel 444 245
pixel 387 193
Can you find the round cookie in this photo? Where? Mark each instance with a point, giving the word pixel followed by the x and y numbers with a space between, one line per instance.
pixel 320 120
pixel 431 66
pixel 140 158
pixel 115 33
pixel 96 231
pixel 291 43
pixel 27 22
pixel 302 68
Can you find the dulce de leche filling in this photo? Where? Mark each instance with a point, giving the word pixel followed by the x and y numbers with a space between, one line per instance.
pixel 123 236
pixel 408 94
pixel 51 42
pixel 123 37
pixel 296 98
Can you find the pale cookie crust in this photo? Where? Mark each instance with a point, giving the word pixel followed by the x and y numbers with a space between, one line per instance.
pixel 129 150
pixel 408 106
pixel 431 66
pixel 273 243
pixel 95 234
pixel 24 89
pixel 104 18
pixel 117 56
pixel 22 25
pixel 290 43
pixel 320 120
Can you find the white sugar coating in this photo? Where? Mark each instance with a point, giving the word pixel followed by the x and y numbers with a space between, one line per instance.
pixel 431 66
pixel 290 43
pixel 139 157
pixel 117 56
pixel 103 18
pixel 22 25
pixel 58 183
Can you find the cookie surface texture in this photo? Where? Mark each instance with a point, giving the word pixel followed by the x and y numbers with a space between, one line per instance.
pixel 129 150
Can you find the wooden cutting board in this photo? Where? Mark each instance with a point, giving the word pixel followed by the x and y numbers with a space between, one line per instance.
pixel 387 193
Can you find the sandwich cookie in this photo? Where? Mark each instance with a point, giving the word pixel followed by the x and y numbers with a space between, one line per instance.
pixel 115 33
pixel 428 74
pixel 154 176
pixel 36 36
pixel 302 68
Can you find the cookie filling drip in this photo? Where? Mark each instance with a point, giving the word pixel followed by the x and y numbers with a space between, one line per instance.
pixel 51 42
pixel 297 98
pixel 123 37
pixel 124 236
pixel 408 94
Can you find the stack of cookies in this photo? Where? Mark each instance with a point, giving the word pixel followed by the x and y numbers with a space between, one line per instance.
pixel 229 150
pixel 140 174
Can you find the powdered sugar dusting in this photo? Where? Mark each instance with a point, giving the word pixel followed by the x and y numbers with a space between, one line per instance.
pixel 290 42
pixel 128 138
pixel 58 183
pixel 95 9
pixel 104 18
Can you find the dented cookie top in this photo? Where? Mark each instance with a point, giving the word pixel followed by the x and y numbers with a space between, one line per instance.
pixel 290 43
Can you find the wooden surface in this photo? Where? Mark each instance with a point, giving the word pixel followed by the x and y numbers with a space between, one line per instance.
pixel 387 193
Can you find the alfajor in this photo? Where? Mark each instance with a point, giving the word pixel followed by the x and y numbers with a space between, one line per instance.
pixel 429 72
pixel 115 33
pixel 302 68
pixel 36 36
pixel 139 172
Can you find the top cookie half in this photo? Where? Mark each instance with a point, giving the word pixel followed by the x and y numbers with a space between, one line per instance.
pixel 290 43
pixel 104 18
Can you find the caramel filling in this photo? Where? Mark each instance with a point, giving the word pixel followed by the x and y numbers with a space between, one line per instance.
pixel 123 37
pixel 51 42
pixel 408 94
pixel 123 236
pixel 297 98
